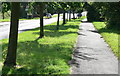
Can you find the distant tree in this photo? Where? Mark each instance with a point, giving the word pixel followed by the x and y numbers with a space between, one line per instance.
pixel 93 14
pixel 58 8
pixel 75 6
pixel 5 8
pixel 13 36
pixel 23 9
pixel 64 8
pixel 50 8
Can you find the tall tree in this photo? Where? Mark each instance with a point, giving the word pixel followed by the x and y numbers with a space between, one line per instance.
pixel 93 14
pixel 23 9
pixel 42 6
pixel 58 21
pixel 64 7
pixel 12 46
pixel 69 15
pixel 58 8
pixel 75 6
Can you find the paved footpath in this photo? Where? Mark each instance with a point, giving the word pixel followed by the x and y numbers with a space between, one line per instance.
pixel 92 55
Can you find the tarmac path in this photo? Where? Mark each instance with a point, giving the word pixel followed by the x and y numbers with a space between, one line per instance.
pixel 92 55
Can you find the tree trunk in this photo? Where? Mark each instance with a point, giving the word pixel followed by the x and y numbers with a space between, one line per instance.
pixel 3 15
pixel 12 46
pixel 70 15
pixel 64 17
pixel 67 16
pixel 73 15
pixel 58 21
pixel 41 20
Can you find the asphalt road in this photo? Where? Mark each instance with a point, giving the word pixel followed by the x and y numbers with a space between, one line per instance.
pixel 23 26
pixel 92 55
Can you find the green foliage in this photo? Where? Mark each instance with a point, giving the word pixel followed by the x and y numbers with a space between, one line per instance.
pixel 112 14
pixel 109 12
pixel 93 14
pixel 5 6
pixel 110 36
pixel 55 6
pixel 7 15
pixel 75 6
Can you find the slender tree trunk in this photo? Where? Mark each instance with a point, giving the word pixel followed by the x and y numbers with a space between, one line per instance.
pixel 41 20
pixel 58 21
pixel 12 46
pixel 64 17
pixel 73 15
pixel 3 15
pixel 70 15
pixel 67 16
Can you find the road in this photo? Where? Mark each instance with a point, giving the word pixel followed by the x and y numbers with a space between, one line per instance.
pixel 23 26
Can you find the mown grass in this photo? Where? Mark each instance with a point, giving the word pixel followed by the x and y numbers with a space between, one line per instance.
pixel 8 20
pixel 110 36
pixel 49 55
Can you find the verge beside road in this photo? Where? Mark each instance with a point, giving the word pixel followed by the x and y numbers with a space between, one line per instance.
pixel 49 55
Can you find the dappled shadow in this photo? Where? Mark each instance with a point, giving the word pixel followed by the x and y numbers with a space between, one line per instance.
pixel 83 57
pixel 56 34
pixel 61 27
pixel 36 57
pixel 49 30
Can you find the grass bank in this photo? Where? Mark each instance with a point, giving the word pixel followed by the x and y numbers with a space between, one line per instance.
pixel 110 35
pixel 49 55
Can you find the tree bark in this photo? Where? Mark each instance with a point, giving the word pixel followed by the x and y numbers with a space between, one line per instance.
pixel 70 15
pixel 41 20
pixel 64 21
pixel 3 15
pixel 67 16
pixel 73 15
pixel 58 21
pixel 13 36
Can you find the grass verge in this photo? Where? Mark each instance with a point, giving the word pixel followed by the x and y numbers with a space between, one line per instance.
pixel 8 19
pixel 49 55
pixel 110 36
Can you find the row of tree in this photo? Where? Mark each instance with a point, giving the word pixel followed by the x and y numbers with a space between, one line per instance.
pixel 40 7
